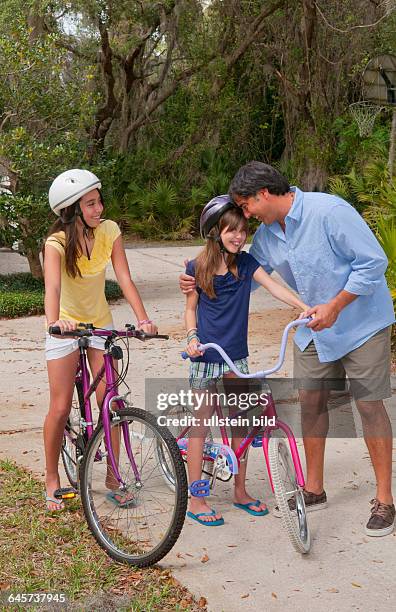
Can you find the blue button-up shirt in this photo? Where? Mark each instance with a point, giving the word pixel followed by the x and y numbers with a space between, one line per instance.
pixel 327 247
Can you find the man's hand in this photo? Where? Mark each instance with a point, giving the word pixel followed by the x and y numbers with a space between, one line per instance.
pixel 186 283
pixel 325 315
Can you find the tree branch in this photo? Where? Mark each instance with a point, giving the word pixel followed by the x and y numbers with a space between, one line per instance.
pixel 105 113
pixel 356 27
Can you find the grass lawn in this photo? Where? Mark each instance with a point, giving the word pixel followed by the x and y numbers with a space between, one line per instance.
pixel 55 552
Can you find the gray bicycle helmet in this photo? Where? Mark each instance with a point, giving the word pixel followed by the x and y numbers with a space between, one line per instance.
pixel 212 213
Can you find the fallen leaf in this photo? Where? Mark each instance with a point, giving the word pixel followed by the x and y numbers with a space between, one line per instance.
pixel 274 595
pixel 356 585
pixel 332 590
pixel 202 602
pixel 205 558
pixel 244 596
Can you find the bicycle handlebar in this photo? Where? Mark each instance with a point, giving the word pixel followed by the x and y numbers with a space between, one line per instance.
pixel 130 332
pixel 260 373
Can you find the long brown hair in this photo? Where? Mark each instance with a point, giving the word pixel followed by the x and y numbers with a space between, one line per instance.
pixel 211 257
pixel 67 223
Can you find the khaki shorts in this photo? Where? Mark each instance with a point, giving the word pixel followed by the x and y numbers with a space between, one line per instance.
pixel 367 368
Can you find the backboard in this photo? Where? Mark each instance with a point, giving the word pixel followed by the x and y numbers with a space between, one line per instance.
pixel 379 80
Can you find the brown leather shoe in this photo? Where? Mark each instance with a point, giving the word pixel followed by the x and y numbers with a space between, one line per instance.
pixel 313 502
pixel 382 518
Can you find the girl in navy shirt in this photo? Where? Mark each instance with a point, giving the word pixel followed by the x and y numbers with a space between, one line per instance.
pixel 217 311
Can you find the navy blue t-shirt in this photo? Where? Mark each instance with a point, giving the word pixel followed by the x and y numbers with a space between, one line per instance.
pixel 224 319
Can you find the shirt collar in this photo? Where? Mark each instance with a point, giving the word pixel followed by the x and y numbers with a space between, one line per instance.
pixel 295 211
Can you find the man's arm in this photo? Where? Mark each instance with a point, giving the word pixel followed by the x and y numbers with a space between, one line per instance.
pixel 258 252
pixel 350 238
pixel 186 283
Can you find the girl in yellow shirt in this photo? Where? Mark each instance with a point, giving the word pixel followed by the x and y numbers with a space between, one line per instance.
pixel 77 251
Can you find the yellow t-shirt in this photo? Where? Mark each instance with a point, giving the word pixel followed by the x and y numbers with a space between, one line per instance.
pixel 83 298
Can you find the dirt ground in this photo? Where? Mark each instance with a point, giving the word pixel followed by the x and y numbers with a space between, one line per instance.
pixel 248 563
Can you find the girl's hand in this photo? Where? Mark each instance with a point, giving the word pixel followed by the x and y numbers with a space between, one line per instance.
pixel 64 325
pixel 192 348
pixel 149 328
pixel 305 315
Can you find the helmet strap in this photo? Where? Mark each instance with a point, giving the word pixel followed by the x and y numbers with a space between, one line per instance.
pixel 219 241
pixel 87 228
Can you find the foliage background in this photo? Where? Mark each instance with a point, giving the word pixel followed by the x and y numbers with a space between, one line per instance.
pixel 165 100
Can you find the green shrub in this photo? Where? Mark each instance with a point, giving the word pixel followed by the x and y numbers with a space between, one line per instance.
pixel 21 295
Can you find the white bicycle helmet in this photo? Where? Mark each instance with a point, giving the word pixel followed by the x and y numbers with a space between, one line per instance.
pixel 70 186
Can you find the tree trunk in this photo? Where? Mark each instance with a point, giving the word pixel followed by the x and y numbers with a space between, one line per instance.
pixel 392 145
pixel 33 258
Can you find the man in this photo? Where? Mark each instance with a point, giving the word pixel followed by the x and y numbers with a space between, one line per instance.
pixel 324 250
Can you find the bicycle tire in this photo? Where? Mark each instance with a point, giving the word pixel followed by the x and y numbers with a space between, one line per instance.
pixel 285 487
pixel 128 540
pixel 70 450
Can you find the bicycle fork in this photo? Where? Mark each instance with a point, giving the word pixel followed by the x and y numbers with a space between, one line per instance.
pixel 293 449
pixel 108 417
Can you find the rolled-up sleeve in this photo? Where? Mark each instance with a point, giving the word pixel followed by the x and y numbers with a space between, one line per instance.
pixel 351 239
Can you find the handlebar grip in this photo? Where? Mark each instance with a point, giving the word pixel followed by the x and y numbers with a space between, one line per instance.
pixel 56 331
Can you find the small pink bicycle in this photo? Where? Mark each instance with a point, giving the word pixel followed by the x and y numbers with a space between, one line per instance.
pixel 281 457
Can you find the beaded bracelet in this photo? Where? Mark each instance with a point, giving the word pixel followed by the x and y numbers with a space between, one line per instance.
pixel 145 322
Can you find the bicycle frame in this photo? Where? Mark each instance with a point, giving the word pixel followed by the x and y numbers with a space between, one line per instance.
pixel 269 411
pixel 111 395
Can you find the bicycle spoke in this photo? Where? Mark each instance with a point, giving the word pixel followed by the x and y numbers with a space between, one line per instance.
pixel 139 526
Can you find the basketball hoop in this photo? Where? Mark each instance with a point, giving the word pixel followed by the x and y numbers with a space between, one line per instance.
pixel 364 114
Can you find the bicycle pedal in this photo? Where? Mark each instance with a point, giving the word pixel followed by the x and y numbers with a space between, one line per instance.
pixel 199 488
pixel 257 441
pixel 65 493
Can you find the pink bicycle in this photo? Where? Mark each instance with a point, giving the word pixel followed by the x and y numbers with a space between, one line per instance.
pixel 281 453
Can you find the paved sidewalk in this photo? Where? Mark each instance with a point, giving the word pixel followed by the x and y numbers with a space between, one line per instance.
pixel 247 564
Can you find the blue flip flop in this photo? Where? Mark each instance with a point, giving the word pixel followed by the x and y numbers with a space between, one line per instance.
pixel 128 503
pixel 248 508
pixel 215 523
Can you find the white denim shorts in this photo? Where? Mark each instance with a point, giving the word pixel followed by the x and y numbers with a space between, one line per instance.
pixel 56 348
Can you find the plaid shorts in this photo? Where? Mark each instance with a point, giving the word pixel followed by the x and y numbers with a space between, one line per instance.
pixel 203 374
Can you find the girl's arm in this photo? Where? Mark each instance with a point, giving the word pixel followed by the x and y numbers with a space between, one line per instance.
pixel 128 287
pixel 52 279
pixel 277 290
pixel 190 319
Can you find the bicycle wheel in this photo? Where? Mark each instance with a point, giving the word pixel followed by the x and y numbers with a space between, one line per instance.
pixel 286 488
pixel 73 439
pixel 143 528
